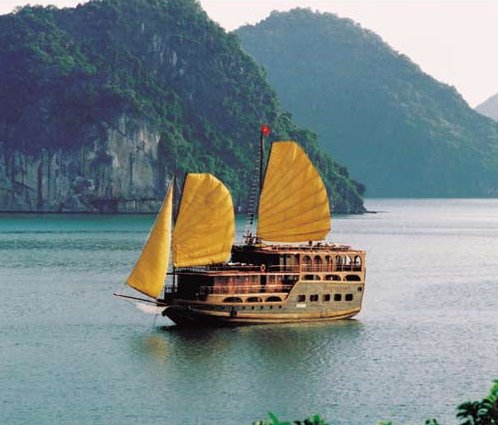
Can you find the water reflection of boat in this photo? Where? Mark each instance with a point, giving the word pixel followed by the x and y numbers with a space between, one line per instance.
pixel 283 273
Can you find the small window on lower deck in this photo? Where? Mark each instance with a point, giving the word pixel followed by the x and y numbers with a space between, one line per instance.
pixel 232 300
pixel 337 297
pixel 314 297
pixel 349 297
pixel 273 299
pixel 301 298
pixel 254 300
pixel 326 297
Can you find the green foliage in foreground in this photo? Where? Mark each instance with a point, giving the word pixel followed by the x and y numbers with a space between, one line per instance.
pixel 313 420
pixel 483 412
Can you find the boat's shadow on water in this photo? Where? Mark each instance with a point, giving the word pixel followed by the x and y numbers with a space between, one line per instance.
pixel 284 342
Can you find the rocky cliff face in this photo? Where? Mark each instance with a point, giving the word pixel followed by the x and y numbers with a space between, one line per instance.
pixel 118 171
pixel 102 104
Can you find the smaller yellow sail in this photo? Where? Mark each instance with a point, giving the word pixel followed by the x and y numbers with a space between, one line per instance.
pixel 205 226
pixel 294 205
pixel 149 272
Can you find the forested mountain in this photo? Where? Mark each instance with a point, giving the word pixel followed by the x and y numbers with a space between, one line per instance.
pixel 489 107
pixel 101 104
pixel 396 128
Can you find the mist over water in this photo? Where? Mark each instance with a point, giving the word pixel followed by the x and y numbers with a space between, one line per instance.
pixel 425 341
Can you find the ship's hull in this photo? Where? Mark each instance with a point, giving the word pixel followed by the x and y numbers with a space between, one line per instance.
pixel 188 315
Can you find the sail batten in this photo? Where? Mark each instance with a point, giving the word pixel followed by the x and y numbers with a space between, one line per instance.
pixel 149 272
pixel 205 226
pixel 294 204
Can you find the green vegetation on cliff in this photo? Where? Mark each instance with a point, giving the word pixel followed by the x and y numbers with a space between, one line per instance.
pixel 396 128
pixel 68 76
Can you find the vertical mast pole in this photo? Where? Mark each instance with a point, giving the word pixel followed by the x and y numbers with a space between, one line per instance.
pixel 261 156
pixel 255 193
pixel 264 131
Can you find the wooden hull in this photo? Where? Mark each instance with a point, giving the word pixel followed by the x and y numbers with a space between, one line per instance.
pixel 186 316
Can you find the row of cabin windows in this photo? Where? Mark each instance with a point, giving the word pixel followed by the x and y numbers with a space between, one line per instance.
pixel 272 299
pixel 325 297
pixel 348 278
pixel 255 279
pixel 251 307
pixel 329 263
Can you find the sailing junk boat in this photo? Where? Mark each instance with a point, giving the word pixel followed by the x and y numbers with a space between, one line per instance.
pixel 280 275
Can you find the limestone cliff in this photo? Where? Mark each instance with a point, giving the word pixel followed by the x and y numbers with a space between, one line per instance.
pixel 102 104
pixel 118 172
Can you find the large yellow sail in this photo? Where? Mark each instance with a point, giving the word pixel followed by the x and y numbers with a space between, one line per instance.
pixel 205 227
pixel 149 272
pixel 294 205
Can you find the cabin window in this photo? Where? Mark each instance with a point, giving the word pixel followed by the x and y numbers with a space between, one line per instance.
pixel 307 263
pixel 337 297
pixel 254 300
pixel 290 262
pixel 232 300
pixel 360 289
pixel 328 263
pixel 314 297
pixel 273 299
pixel 332 277
pixel 289 279
pixel 357 263
pixel 338 263
pixel 301 298
pixel 349 297
pixel 326 297
pixel 348 263
pixel 353 278
pixel 317 263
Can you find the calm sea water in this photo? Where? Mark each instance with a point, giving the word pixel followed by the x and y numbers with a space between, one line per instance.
pixel 426 339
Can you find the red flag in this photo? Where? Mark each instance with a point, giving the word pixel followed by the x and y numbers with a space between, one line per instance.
pixel 265 130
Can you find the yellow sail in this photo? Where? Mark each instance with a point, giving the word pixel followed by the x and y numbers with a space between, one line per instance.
pixel 294 205
pixel 205 227
pixel 150 270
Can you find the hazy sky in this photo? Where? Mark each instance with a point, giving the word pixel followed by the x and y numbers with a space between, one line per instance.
pixel 454 41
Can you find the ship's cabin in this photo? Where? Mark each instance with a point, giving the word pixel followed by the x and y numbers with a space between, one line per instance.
pixel 260 273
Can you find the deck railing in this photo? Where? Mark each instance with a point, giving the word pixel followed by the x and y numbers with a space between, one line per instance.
pixel 303 268
pixel 244 289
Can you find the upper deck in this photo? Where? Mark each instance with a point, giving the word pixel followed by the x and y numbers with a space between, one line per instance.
pixel 260 258
pixel 271 270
